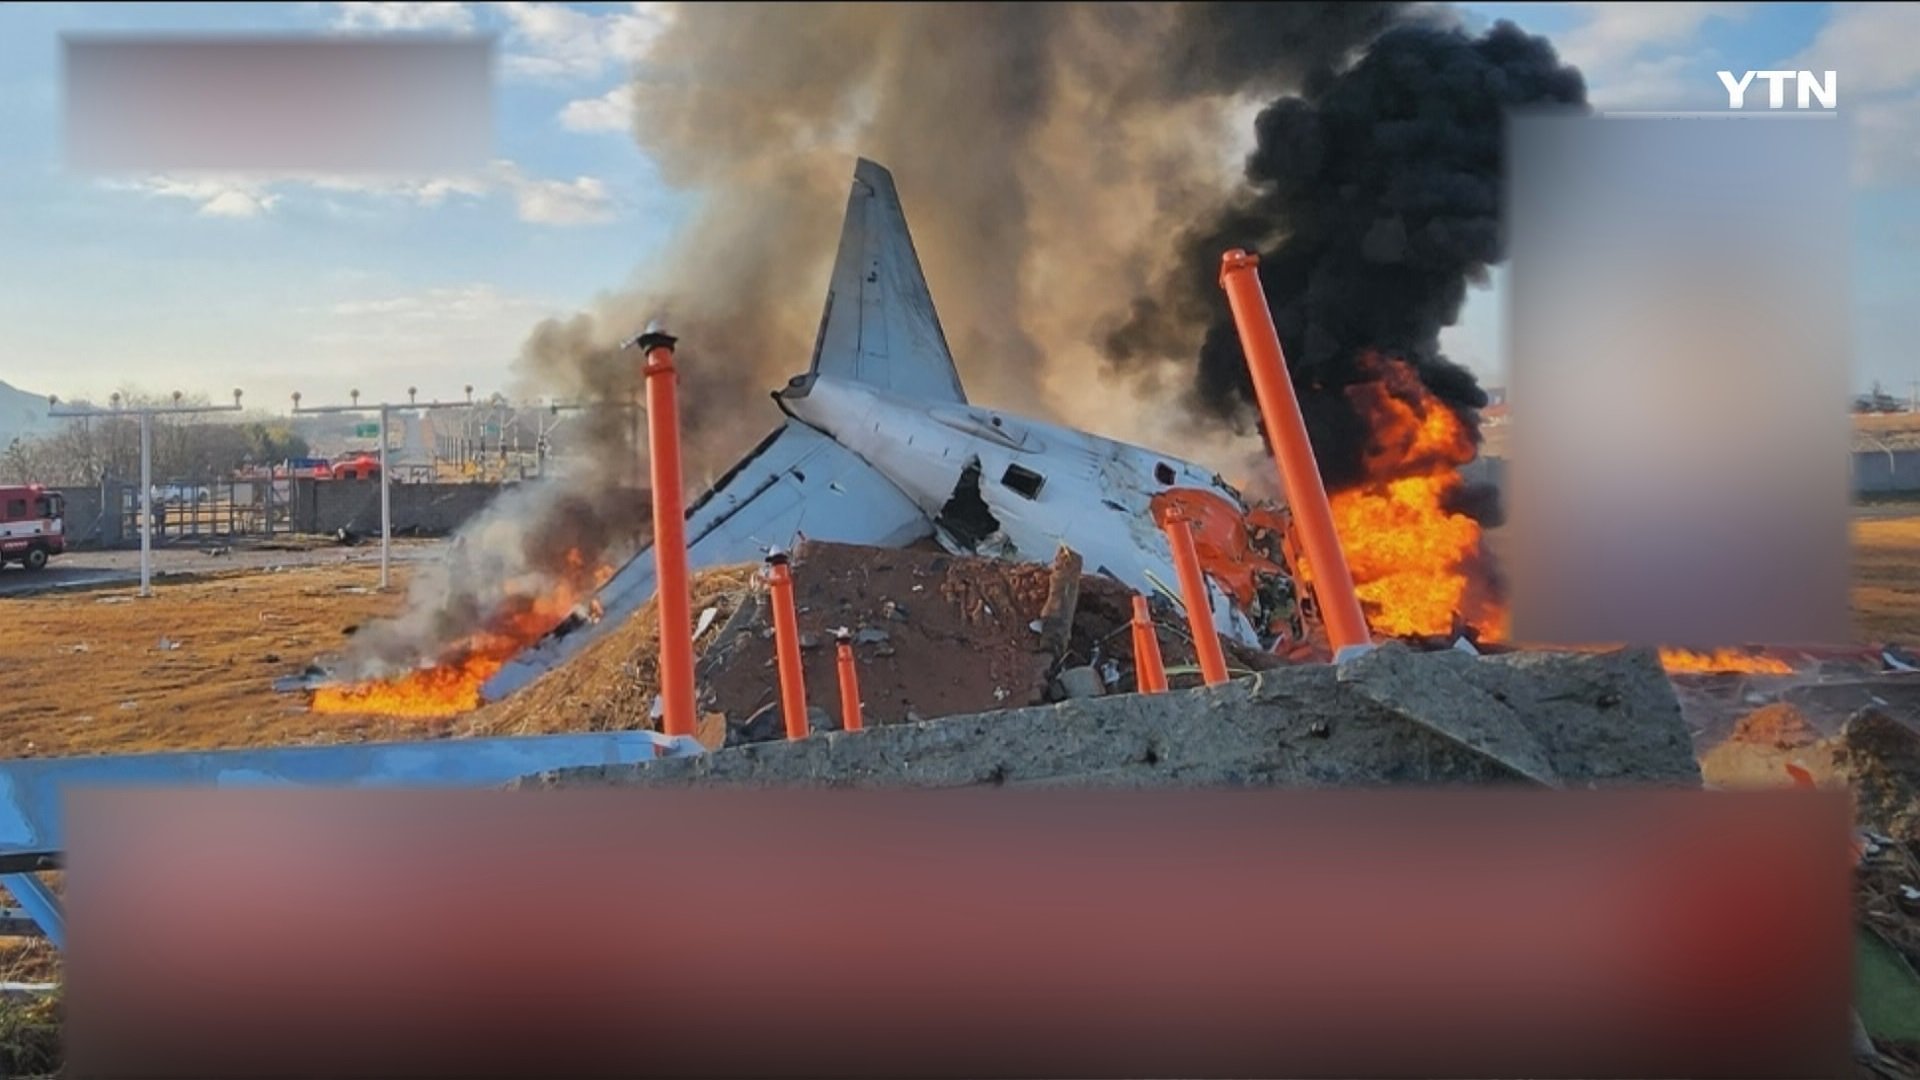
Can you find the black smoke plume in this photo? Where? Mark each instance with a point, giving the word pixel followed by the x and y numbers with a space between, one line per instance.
pixel 1374 201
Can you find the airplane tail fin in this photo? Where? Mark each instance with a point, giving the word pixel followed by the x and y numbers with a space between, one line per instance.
pixel 879 326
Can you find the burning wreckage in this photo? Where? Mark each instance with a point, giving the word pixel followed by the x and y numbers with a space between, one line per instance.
pixel 880 449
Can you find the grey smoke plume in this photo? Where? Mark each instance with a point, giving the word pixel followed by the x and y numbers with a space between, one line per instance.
pixel 1040 149
pixel 505 573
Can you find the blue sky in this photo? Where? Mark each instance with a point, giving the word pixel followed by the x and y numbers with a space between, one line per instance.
pixel 206 284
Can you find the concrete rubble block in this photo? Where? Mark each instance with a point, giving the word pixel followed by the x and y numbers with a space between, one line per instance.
pixel 1593 719
pixel 1080 682
pixel 1603 718
pixel 1431 692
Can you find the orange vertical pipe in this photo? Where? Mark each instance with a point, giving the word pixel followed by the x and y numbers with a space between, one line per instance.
pixel 1150 675
pixel 669 533
pixel 1299 472
pixel 849 682
pixel 786 643
pixel 1193 590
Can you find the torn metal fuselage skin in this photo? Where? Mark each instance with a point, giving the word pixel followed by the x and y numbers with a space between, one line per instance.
pixel 1001 485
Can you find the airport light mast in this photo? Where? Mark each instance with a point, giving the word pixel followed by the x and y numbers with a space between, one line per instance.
pixel 385 409
pixel 146 413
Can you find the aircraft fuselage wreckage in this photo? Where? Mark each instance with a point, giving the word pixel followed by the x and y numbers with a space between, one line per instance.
pixel 881 447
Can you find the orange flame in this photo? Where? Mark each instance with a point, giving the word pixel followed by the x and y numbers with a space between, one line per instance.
pixel 1683 661
pixel 451 685
pixel 1418 565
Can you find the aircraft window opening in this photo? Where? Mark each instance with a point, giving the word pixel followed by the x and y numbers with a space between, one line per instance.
pixel 1163 472
pixel 1025 482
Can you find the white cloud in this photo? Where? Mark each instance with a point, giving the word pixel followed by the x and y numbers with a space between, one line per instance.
pixel 1871 47
pixel 238 204
pixel 610 112
pixel 583 200
pixel 1615 33
pixel 404 16
pixel 556 41
pixel 432 191
pixel 216 196
pixel 1887 142
pixel 541 40
pixel 1673 81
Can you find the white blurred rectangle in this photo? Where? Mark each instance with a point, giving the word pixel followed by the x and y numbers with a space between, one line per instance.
pixel 1679 348
pixel 283 104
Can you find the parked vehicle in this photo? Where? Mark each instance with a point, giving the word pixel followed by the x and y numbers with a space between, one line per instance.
pixel 32 525
pixel 358 467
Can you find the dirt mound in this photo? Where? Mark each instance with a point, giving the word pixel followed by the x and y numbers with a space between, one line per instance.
pixel 935 635
pixel 1779 725
pixel 1765 748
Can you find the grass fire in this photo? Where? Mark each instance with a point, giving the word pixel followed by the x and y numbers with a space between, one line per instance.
pixel 450 685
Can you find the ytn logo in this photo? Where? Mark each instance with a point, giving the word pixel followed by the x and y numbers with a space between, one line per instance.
pixel 1826 88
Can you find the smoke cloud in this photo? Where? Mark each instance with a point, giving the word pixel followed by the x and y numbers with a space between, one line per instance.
pixel 1043 151
pixel 1374 199
pixel 1072 173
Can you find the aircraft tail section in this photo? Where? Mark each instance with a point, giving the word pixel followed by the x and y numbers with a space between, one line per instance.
pixel 879 326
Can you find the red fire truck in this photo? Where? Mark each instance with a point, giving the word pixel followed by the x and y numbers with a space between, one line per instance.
pixel 32 525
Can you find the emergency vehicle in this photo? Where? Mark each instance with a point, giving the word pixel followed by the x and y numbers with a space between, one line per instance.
pixel 32 526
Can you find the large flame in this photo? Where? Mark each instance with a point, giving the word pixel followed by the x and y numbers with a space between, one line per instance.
pixel 1684 661
pixel 1417 561
pixel 451 684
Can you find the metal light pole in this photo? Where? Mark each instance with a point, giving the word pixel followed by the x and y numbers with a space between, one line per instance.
pixel 555 408
pixel 146 415
pixel 385 409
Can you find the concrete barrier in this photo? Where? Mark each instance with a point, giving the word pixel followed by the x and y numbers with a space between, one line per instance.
pixel 1393 717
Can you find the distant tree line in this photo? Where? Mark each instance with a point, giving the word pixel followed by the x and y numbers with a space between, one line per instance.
pixel 84 451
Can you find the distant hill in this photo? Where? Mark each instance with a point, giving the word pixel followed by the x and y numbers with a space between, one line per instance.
pixel 21 413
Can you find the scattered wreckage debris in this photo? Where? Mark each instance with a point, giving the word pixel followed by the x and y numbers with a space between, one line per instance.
pixel 937 635
pixel 1887 965
pixel 1881 758
pixel 1871 753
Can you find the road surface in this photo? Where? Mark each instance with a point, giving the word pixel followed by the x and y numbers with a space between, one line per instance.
pixel 92 569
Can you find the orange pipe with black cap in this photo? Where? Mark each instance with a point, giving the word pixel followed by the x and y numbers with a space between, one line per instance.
pixel 786 643
pixel 1193 592
pixel 1293 452
pixel 674 600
